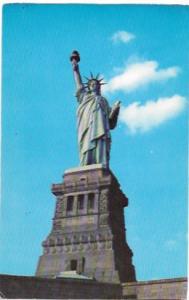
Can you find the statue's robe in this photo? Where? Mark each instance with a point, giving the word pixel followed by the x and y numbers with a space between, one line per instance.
pixel 93 128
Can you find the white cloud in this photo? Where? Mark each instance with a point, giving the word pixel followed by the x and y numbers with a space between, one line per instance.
pixel 142 118
pixel 122 36
pixel 139 74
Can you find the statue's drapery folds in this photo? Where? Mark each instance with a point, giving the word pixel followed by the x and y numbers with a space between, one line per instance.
pixel 93 128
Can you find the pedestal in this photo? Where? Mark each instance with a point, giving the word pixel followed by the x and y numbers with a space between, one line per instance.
pixel 88 232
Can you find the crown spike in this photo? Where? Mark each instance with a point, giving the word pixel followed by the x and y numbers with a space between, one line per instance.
pixel 91 75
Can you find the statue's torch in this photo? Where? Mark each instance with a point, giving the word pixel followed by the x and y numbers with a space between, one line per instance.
pixel 75 58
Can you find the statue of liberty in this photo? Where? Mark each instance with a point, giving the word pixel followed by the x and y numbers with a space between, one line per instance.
pixel 95 118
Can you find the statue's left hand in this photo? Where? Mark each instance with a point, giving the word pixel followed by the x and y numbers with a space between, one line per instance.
pixel 113 117
pixel 117 104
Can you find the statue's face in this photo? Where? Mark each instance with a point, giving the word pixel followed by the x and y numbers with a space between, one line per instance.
pixel 94 86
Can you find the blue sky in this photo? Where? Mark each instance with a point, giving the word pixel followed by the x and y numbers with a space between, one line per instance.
pixel 142 51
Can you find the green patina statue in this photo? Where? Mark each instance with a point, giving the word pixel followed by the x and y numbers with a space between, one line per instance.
pixel 95 118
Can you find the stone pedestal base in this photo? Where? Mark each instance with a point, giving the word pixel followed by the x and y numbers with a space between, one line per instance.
pixel 88 233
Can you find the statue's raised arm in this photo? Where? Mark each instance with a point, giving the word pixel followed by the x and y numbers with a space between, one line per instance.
pixel 75 59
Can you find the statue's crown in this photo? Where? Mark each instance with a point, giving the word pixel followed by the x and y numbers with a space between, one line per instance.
pixel 96 78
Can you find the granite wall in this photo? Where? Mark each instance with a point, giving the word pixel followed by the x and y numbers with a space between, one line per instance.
pixel 26 287
pixel 169 289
